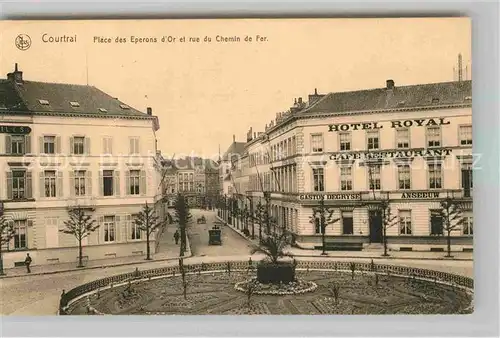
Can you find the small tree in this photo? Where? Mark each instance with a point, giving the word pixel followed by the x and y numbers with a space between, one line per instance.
pixel 259 218
pixel 388 220
pixel 324 216
pixel 182 216
pixel 147 222
pixel 251 288
pixel 273 246
pixel 80 226
pixel 334 290
pixel 6 233
pixel 352 266
pixel 453 219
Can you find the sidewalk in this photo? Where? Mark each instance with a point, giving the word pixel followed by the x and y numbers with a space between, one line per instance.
pixel 411 255
pixel 167 251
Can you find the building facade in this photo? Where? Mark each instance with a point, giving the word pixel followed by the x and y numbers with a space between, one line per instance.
pixel 64 146
pixel 409 145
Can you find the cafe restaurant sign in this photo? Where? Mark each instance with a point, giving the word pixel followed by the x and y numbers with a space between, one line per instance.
pixel 312 197
pixel 362 155
pixel 18 130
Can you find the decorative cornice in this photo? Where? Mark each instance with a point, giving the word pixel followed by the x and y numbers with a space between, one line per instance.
pixel 79 114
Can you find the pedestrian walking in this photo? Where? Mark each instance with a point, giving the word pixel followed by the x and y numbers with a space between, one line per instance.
pixel 176 236
pixel 27 261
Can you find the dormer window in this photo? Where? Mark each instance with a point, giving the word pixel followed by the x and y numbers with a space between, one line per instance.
pixel 103 110
pixel 401 103
pixel 468 98
pixel 124 106
pixel 74 104
pixel 43 102
pixel 435 100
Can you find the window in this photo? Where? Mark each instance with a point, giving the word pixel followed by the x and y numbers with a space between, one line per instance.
pixel 124 106
pixel 317 225
pixel 345 178
pixel 80 183
pixel 435 176
pixel 374 176
pixel 467 178
pixel 136 230
pixel 74 104
pixel 134 182
pixel 43 102
pixel 49 179
pixel 318 179
pixel 78 145
pixel 18 144
pixel 436 223
pixel 107 182
pixel 103 110
pixel 405 222
pixel 317 143
pixel 347 223
pixel 465 134
pixel 49 144
pixel 134 145
pixel 372 139
pixel 433 136
pixel 468 225
pixel 404 177
pixel 109 228
pixel 107 145
pixel 345 141
pixel 18 184
pixel 20 230
pixel 403 138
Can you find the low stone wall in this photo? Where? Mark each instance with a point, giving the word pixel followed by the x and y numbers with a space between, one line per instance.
pixel 418 273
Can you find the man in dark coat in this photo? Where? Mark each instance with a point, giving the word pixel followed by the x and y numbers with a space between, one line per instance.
pixel 27 261
pixel 176 236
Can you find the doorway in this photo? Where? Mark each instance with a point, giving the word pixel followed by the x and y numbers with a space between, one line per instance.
pixel 375 221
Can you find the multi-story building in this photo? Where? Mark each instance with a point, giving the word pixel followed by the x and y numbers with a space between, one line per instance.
pixel 63 146
pixel 194 177
pixel 226 164
pixel 410 145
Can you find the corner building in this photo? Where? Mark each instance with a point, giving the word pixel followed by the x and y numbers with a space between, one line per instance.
pixel 63 146
pixel 409 144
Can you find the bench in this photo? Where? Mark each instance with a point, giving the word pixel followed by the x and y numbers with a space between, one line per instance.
pixel 341 246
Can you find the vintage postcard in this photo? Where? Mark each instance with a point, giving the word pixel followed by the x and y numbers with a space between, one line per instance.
pixel 236 166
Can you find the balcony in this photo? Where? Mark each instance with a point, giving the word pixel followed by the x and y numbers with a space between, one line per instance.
pixel 85 202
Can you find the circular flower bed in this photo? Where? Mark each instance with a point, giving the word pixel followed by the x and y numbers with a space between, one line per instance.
pixel 297 287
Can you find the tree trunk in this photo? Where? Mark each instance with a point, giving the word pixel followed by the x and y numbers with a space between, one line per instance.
pixel 1 259
pixel 323 239
pixel 80 253
pixel 448 243
pixel 148 250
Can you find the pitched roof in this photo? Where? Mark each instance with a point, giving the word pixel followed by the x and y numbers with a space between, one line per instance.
pixel 20 95
pixel 235 149
pixel 444 93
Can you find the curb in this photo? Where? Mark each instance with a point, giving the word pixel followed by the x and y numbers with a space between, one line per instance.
pixel 101 266
pixel 356 257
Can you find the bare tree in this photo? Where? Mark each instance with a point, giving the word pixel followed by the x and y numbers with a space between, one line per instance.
pixel 80 226
pixel 146 221
pixel 324 216
pixel 388 220
pixel 453 219
pixel 251 288
pixel 6 233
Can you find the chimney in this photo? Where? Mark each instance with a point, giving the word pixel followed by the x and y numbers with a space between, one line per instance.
pixel 254 134
pixel 313 98
pixel 390 84
pixel 234 138
pixel 16 75
pixel 149 110
pixel 300 100
pixel 315 91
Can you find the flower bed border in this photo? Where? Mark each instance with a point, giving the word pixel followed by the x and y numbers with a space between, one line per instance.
pixel 80 291
pixel 311 288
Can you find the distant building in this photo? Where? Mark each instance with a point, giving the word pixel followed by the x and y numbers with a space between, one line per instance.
pixel 409 144
pixel 231 156
pixel 66 145
pixel 194 177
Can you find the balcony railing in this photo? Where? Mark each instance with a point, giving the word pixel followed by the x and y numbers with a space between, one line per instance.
pixel 86 202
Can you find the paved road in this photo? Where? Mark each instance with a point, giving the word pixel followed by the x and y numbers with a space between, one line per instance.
pixel 232 243
pixel 39 294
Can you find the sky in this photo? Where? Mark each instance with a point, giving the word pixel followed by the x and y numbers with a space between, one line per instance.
pixel 206 92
